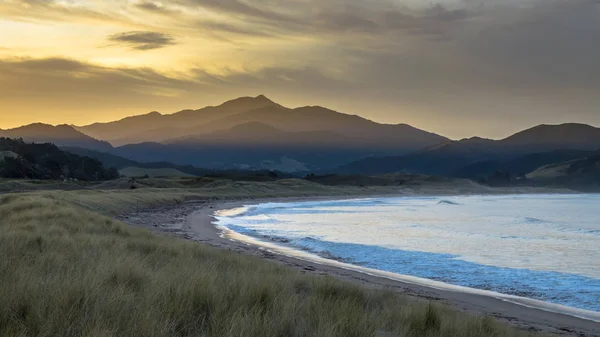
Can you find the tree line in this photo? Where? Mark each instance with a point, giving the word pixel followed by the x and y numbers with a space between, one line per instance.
pixel 22 160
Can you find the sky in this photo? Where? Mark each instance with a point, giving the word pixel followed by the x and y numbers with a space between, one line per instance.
pixel 459 68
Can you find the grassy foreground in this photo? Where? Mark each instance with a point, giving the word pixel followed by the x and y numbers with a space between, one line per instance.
pixel 68 270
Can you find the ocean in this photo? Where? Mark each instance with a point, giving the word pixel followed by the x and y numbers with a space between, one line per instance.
pixel 543 247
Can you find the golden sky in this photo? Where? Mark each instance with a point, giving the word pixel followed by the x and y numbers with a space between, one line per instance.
pixel 456 67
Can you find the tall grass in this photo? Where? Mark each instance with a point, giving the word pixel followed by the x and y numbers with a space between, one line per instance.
pixel 68 271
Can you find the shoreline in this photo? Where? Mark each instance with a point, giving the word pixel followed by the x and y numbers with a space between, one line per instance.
pixel 195 221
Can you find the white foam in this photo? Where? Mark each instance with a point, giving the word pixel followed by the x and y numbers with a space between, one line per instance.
pixel 543 246
pixel 523 301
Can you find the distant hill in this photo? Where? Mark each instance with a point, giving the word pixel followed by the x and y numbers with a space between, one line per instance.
pixel 60 135
pixel 118 162
pixel 583 173
pixel 518 166
pixel 399 138
pixel 19 159
pixel 256 146
pixel 470 157
pixel 255 133
pixel 156 127
pixel 258 134
pixel 261 134
pixel 547 137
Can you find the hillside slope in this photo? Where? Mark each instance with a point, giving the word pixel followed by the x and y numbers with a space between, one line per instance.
pixel 255 145
pixel 118 162
pixel 583 173
pixel 158 128
pixel 518 166
pixel 456 157
pixel 19 159
pixel 60 135
pixel 400 138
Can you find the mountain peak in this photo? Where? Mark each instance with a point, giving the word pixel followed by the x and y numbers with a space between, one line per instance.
pixel 564 126
pixel 36 125
pixel 65 127
pixel 60 135
pixel 556 131
pixel 249 103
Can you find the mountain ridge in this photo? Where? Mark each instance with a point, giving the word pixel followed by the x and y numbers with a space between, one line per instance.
pixel 142 128
pixel 60 135
pixel 452 156
pixel 163 127
pixel 248 131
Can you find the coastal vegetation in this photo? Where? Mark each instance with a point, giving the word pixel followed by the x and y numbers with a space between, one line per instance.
pixel 69 269
pixel 19 159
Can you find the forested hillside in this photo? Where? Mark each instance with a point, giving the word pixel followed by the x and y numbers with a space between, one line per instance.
pixel 19 159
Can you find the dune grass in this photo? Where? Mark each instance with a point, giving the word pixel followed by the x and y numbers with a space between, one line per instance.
pixel 67 270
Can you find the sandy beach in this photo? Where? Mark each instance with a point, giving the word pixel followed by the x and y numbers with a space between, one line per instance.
pixel 194 221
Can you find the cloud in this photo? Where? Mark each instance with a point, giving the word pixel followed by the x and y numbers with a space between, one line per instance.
pixel 334 17
pixel 70 82
pixel 150 6
pixel 143 40
pixel 59 11
pixel 157 8
pixel 527 61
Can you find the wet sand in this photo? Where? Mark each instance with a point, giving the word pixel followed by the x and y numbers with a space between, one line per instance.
pixel 194 221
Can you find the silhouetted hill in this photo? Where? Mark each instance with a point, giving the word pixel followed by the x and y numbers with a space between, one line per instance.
pixel 455 157
pixel 257 133
pixel 155 127
pixel 118 162
pixel 581 174
pixel 400 138
pixel 254 155
pixel 188 124
pixel 60 135
pixel 264 135
pixel 278 138
pixel 547 137
pixel 19 159
pixel 517 166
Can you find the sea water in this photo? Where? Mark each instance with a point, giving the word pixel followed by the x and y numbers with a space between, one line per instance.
pixel 544 247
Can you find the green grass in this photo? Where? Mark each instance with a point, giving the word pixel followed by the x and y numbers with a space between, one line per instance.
pixel 68 270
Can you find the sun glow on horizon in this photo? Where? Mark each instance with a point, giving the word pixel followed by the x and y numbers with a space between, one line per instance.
pixel 451 68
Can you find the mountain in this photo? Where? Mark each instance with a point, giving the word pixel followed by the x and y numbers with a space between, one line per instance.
pixel 399 138
pixel 581 174
pixel 119 163
pixel 261 134
pixel 519 166
pixel 257 133
pixel 253 145
pixel 60 135
pixel 546 137
pixel 156 127
pixel 455 157
pixel 19 159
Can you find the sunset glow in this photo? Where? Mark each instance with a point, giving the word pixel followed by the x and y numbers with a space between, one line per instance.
pixel 456 68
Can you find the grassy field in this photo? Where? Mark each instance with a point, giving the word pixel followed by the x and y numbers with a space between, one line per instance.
pixel 67 269
pixel 152 172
